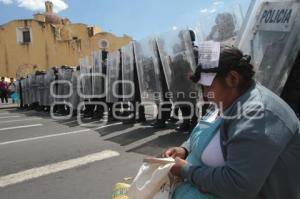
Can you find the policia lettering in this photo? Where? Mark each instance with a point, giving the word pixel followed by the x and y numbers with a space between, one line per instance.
pixel 276 16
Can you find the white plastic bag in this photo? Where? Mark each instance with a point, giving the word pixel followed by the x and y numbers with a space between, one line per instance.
pixel 152 180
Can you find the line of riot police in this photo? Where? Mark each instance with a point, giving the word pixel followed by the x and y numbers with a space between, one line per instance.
pixel 151 76
pixel 148 76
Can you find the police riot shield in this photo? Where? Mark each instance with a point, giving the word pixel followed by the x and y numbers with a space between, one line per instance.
pixel 37 81
pixel 23 87
pixel 75 98
pixel 178 60
pixel 18 89
pixel 32 89
pixel 44 91
pixel 67 76
pixel 270 36
pixel 60 85
pixel 113 76
pixel 64 76
pixel 98 79
pixel 128 89
pixel 48 95
pixel 40 87
pixel 222 23
pixel 23 90
pixel 148 71
pixel 85 78
pixel 27 91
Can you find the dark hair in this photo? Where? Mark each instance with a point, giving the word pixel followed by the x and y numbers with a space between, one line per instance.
pixel 231 58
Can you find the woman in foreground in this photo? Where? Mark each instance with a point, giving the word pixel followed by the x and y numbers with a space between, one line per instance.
pixel 247 146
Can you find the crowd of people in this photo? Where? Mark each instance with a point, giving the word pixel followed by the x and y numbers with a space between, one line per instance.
pixel 8 90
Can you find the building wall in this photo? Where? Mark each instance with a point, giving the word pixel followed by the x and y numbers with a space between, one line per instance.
pixel 51 45
pixel 113 42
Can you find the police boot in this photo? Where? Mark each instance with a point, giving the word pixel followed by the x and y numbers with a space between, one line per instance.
pixel 142 119
pixel 159 124
pixel 97 115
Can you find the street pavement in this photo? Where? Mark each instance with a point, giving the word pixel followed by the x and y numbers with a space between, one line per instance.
pixel 44 158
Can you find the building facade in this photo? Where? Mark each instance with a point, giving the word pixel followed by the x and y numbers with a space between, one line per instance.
pixel 48 40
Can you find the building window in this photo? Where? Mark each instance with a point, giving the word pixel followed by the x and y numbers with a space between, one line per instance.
pixel 24 35
pixel 103 44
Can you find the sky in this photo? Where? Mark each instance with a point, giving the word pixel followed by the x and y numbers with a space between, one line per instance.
pixel 136 18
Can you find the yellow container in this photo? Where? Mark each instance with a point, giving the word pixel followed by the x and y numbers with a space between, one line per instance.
pixel 120 191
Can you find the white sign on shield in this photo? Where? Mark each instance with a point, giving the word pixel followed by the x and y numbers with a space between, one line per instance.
pixel 209 54
pixel 277 16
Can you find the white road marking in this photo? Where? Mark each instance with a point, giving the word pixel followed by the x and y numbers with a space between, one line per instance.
pixel 54 135
pixel 55 168
pixel 44 137
pixel 15 116
pixel 10 121
pixel 20 127
pixel 114 124
pixel 4 113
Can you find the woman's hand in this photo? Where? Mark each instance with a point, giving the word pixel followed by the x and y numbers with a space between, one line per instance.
pixel 176 169
pixel 175 152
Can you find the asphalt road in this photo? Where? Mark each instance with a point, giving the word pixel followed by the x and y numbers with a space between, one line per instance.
pixel 43 158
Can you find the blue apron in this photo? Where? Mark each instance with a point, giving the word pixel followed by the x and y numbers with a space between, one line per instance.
pixel 199 139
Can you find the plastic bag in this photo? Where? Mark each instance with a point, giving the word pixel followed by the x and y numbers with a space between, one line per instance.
pixel 153 180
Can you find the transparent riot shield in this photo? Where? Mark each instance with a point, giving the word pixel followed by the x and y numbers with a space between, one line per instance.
pixel 40 88
pixel 67 76
pixel 113 76
pixel 24 85
pixel 43 89
pixel 48 95
pixel 271 38
pixel 221 23
pixel 128 89
pixel 32 89
pixel 98 79
pixel 18 89
pixel 27 91
pixel 178 60
pixel 149 75
pixel 60 85
pixel 75 98
pixel 23 88
pixel 85 78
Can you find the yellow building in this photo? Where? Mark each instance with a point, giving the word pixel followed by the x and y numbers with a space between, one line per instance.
pixel 48 40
